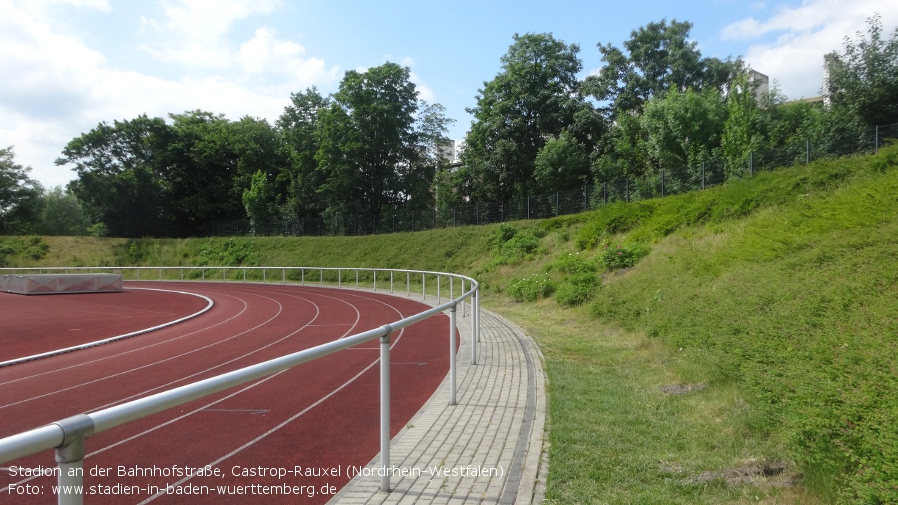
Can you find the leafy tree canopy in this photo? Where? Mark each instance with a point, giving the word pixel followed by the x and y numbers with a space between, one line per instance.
pixel 19 195
pixel 863 78
pixel 658 57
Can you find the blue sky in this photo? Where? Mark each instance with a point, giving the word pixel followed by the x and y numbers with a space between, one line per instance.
pixel 70 64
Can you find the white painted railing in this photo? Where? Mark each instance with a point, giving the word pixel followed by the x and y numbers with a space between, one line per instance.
pixel 67 436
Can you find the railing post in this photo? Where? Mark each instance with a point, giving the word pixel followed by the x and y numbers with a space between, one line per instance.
pixel 474 335
pixel 452 350
pixel 385 410
pixel 70 458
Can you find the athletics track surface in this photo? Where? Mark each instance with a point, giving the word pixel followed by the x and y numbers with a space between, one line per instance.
pixel 320 417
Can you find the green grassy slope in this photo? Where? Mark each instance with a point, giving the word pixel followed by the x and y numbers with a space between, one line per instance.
pixel 748 356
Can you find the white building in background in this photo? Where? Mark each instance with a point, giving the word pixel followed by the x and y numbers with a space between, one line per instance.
pixel 447 151
pixel 761 83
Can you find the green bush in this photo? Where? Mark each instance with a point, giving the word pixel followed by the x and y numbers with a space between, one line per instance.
pixel 33 248
pixel 577 289
pixel 530 289
pixel 623 256
pixel 572 263
pixel 228 252
pixel 513 245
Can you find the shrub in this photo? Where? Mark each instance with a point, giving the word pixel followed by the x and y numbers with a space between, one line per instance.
pixel 529 289
pixel 513 245
pixel 572 263
pixel 623 256
pixel 577 289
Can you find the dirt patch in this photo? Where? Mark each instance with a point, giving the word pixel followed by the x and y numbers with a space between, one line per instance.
pixel 682 389
pixel 760 473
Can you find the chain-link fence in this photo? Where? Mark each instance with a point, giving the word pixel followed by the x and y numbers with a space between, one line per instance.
pixel 664 182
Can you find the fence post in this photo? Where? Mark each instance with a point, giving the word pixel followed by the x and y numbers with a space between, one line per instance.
pixel 385 410
pixel 662 182
pixel 70 457
pixel 703 175
pixel 605 192
pixel 876 140
pixel 475 314
pixel 807 151
pixel 627 186
pixel 751 163
pixel 452 317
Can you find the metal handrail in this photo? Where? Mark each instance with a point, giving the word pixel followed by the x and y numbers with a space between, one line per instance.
pixel 67 436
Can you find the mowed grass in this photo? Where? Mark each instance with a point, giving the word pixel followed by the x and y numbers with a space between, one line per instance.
pixel 750 357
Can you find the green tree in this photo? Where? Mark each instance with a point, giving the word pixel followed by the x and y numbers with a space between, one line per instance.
pixel 534 98
pixel 683 128
pixel 563 163
pixel 121 172
pixel 741 130
pixel 659 57
pixel 61 214
pixel 300 179
pixel 366 138
pixel 863 79
pixel 19 195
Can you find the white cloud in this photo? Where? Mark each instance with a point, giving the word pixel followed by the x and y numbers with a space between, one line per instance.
pixel 789 45
pixel 265 54
pixel 54 87
pixel 194 32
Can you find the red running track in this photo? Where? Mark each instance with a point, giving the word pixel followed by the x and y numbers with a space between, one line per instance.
pixel 313 423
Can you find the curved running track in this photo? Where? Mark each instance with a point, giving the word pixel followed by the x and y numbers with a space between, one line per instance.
pixel 318 418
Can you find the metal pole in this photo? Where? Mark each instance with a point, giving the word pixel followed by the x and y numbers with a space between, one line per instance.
pixel 385 411
pixel 474 328
pixel 463 302
pixel 70 458
pixel 477 313
pixel 452 356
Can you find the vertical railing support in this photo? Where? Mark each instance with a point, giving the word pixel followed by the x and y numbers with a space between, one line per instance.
pixel 70 458
pixel 452 350
pixel 385 410
pixel 474 336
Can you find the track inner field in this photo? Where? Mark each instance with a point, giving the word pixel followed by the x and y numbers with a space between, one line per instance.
pixel 36 324
pixel 318 418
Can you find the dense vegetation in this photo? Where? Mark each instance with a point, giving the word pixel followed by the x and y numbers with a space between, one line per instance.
pixel 767 304
pixel 657 111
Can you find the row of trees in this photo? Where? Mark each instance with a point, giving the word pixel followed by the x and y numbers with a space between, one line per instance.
pixel 374 147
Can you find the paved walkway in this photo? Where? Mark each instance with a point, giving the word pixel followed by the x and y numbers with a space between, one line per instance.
pixel 486 449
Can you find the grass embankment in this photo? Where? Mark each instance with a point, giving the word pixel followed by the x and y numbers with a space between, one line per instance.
pixel 748 356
